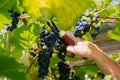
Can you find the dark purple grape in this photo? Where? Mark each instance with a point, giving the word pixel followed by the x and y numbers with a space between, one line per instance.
pixel 7 27
pixel 15 19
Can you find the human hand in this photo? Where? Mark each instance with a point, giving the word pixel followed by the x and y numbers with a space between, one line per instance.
pixel 82 47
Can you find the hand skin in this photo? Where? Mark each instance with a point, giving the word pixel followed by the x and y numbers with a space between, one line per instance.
pixel 89 50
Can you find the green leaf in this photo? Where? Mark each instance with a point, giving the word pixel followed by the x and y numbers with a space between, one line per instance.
pixel 117 27
pixel 3 21
pixel 88 37
pixel 108 77
pixel 90 69
pixel 16 54
pixel 66 14
pixel 11 69
pixel 114 35
pixel 54 60
pixel 79 71
pixel 115 56
pixel 14 75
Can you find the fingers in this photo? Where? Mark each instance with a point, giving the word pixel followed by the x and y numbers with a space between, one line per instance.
pixel 70 49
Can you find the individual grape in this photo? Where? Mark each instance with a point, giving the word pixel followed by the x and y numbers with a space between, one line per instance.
pixel 74 76
pixel 7 27
pixel 97 28
pixel 33 54
pixel 99 74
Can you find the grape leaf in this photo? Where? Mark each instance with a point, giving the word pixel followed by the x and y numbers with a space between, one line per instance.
pixel 66 14
pixel 10 68
pixel 108 77
pixel 114 34
pixel 79 71
pixel 54 60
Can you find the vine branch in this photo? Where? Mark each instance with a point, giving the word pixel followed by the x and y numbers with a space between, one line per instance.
pixel 109 22
pixel 105 17
pixel 107 8
pixel 9 34
pixel 35 58
pixel 53 73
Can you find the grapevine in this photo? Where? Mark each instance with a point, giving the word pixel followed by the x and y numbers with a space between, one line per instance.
pixel 48 60
pixel 50 40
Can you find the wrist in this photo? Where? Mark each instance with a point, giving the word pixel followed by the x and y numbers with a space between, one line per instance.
pixel 96 53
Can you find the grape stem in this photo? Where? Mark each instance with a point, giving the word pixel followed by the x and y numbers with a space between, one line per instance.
pixel 35 58
pixel 9 33
pixel 53 73
pixel 88 65
pixel 80 63
pixel 110 18
pixel 24 17
pixel 107 8
pixel 109 22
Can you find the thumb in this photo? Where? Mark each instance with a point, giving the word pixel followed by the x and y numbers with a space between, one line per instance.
pixel 70 51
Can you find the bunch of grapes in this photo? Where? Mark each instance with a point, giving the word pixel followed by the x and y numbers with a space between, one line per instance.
pixel 15 20
pixel 64 71
pixel 43 62
pixel 61 49
pixel 49 38
pixel 89 21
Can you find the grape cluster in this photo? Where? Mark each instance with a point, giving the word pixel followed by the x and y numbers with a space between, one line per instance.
pixel 61 49
pixel 15 20
pixel 64 71
pixel 43 62
pixel 48 39
pixel 88 21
